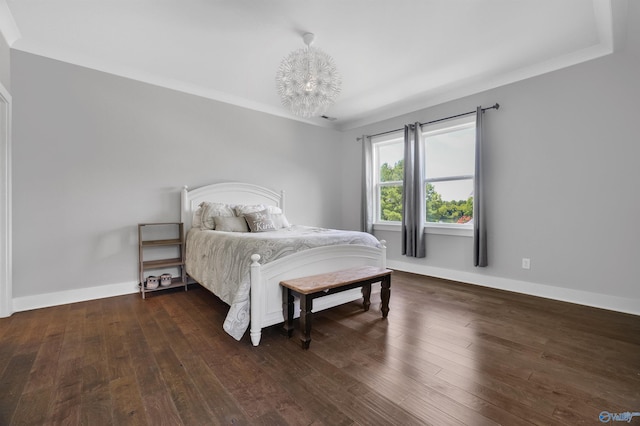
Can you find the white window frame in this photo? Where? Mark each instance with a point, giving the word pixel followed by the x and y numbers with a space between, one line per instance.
pixel 465 230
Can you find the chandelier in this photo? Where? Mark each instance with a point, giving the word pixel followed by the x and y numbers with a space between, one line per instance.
pixel 307 81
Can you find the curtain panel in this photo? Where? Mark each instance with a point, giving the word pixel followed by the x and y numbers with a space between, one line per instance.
pixel 479 216
pixel 366 219
pixel 413 193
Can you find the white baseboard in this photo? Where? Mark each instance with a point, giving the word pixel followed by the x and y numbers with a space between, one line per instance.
pixel 27 303
pixel 596 300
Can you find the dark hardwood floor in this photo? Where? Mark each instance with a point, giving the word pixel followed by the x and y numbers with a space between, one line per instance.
pixel 448 354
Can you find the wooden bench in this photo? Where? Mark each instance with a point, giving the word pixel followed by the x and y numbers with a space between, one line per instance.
pixel 312 287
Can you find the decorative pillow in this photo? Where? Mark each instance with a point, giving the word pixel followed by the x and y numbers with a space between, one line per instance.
pixel 260 221
pixel 274 210
pixel 211 210
pixel 280 221
pixel 230 224
pixel 243 209
pixel 196 220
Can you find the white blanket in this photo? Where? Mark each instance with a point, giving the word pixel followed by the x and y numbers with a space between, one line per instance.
pixel 220 261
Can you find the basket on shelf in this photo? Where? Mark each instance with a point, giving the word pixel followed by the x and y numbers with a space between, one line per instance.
pixel 151 282
pixel 165 280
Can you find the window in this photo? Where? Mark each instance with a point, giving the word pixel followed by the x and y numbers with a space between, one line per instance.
pixel 449 171
pixel 389 171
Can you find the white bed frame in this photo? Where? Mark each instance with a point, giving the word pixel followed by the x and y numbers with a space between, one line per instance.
pixel 266 293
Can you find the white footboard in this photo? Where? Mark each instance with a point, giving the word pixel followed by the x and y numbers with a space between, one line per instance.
pixel 266 293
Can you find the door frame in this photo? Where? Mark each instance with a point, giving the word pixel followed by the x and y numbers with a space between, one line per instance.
pixel 6 273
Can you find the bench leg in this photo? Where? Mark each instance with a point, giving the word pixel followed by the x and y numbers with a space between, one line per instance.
pixel 287 307
pixel 366 296
pixel 306 305
pixel 287 311
pixel 385 295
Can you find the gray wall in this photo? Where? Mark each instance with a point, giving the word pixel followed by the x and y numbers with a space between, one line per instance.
pixel 95 154
pixel 562 158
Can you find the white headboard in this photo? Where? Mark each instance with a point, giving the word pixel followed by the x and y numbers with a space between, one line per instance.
pixel 228 192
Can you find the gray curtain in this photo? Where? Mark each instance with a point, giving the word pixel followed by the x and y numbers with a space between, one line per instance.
pixel 479 217
pixel 366 220
pixel 413 193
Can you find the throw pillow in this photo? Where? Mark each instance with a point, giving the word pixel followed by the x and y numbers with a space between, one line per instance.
pixel 231 224
pixel 260 221
pixel 211 210
pixel 243 209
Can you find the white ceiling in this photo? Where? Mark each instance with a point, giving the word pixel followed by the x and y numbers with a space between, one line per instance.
pixel 395 56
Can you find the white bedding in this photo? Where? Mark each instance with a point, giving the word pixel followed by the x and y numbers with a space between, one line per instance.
pixel 220 260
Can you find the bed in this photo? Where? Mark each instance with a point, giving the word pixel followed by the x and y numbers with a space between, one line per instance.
pixel 244 269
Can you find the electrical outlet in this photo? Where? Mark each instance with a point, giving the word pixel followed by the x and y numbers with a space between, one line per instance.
pixel 526 263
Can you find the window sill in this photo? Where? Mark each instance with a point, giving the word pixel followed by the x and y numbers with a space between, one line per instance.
pixel 437 229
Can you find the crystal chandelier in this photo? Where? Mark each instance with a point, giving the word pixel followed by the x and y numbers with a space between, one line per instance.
pixel 307 81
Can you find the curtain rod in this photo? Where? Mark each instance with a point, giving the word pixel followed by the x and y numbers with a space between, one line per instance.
pixel 496 106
